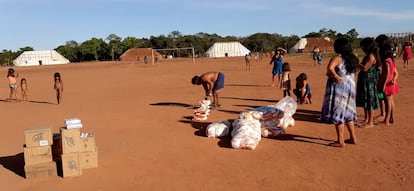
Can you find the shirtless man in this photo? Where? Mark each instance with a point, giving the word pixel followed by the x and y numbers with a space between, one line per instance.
pixel 212 83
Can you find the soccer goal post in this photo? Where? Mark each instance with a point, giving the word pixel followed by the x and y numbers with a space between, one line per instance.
pixel 174 52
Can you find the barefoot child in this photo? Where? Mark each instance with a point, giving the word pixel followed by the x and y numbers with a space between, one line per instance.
pixel 388 79
pixel 11 76
pixel 58 87
pixel 23 86
pixel 285 83
pixel 303 91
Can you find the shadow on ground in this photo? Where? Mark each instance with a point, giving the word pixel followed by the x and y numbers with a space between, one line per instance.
pixel 172 104
pixel 304 139
pixel 224 142
pixel 14 163
pixel 251 99
pixel 307 115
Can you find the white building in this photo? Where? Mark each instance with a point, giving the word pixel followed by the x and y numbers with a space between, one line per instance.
pixel 38 58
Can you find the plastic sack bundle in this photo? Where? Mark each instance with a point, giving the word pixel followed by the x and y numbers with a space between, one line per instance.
pixel 288 105
pixel 251 115
pixel 277 118
pixel 246 134
pixel 218 129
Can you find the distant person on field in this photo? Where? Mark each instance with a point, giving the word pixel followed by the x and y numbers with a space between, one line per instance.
pixel 58 86
pixel 212 83
pixel 339 107
pixel 145 59
pixel 407 53
pixel 319 58
pixel 315 53
pixel 248 58
pixel 285 82
pixel 277 60
pixel 23 86
pixel 12 78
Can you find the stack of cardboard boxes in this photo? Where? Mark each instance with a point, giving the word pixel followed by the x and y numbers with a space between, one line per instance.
pixel 75 150
pixel 72 150
pixel 38 153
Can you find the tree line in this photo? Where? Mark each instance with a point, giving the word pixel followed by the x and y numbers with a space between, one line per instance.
pixel 113 46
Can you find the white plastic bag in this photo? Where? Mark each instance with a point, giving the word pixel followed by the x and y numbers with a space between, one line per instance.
pixel 218 129
pixel 246 134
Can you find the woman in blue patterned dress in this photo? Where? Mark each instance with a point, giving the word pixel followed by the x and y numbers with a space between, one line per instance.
pixel 339 105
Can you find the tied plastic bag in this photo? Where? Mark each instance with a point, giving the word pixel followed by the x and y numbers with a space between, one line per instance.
pixel 251 115
pixel 218 129
pixel 246 134
pixel 278 117
pixel 288 105
pixel 272 132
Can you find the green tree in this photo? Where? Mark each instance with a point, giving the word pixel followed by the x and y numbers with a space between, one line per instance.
pixel 115 46
pixel 70 51
pixel 94 49
pixel 130 42
pixel 7 57
pixel 353 34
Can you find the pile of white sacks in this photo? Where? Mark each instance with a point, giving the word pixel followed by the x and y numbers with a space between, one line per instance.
pixel 266 121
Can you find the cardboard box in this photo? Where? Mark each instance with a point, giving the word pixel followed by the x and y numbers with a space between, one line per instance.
pixel 37 155
pixel 88 143
pixel 40 170
pixel 38 136
pixel 71 141
pixel 89 159
pixel 71 165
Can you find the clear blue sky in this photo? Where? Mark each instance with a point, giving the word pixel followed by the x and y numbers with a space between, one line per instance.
pixel 46 24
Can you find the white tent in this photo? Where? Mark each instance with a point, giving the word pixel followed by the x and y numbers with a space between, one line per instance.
pixel 325 44
pixel 36 58
pixel 227 49
pixel 299 46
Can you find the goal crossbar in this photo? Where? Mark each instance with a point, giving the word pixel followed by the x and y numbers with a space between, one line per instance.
pixel 185 48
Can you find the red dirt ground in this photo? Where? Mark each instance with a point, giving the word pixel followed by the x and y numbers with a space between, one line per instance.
pixel 140 113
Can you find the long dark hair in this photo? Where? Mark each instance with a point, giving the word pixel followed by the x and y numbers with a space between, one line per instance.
pixel 369 46
pixel 385 47
pixel 343 47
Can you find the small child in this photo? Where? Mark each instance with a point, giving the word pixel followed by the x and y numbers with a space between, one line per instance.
pixel 302 91
pixel 58 87
pixel 285 82
pixel 319 58
pixel 23 86
pixel 11 76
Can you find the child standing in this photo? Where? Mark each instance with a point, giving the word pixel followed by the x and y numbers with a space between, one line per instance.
pixel 23 86
pixel 319 58
pixel 11 76
pixel 303 91
pixel 285 83
pixel 388 80
pixel 58 87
